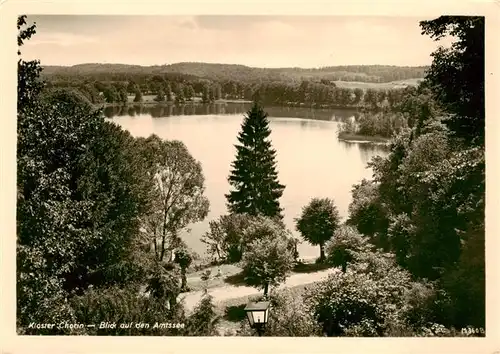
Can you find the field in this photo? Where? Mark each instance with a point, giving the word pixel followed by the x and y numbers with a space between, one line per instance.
pixel 379 86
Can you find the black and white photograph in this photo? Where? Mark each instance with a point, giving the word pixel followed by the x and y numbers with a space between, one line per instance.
pixel 250 175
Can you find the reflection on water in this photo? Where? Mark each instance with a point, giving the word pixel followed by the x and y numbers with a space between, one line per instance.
pixel 366 151
pixel 168 110
pixel 311 161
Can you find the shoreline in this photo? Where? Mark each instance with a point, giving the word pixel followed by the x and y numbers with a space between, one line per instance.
pixel 364 139
pixel 222 101
pixel 169 103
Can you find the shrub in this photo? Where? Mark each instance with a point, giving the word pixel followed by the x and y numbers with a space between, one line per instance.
pixel 125 306
pixel 366 300
pixel 203 321
pixel 290 316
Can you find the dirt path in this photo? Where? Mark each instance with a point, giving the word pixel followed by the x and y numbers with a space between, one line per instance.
pixel 227 292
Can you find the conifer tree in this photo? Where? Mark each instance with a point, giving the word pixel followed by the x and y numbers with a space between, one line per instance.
pixel 138 94
pixel 206 94
pixel 256 189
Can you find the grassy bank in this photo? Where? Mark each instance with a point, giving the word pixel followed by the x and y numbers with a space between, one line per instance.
pixel 344 136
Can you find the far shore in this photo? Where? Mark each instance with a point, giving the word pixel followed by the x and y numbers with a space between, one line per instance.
pixel 149 100
pixel 168 103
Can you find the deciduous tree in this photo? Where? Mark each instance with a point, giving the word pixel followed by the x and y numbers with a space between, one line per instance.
pixel 318 222
pixel 178 184
pixel 456 75
pixel 267 262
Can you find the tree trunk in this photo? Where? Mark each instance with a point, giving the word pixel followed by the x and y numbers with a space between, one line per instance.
pixel 266 289
pixel 344 267
pixel 172 301
pixel 183 279
pixel 322 252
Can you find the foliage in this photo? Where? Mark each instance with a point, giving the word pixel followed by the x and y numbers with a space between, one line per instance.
pixel 290 316
pixel 189 92
pixel 203 321
pixel 177 186
pixel 168 92
pixel 456 75
pixel 29 84
pixel 111 94
pixel 82 187
pixel 206 94
pixel 122 94
pixel 163 282
pixel 160 97
pixel 180 94
pixel 138 94
pixel 318 222
pixel 125 306
pixel 345 246
pixel 465 300
pixel 267 261
pixel 240 73
pixel 421 307
pixel 254 178
pixel 430 234
pixel 352 303
pixel 366 212
pixel 225 239
pixel 184 259
pixel 312 90
pixel 363 301
pixel 426 202
pixel 40 294
pixel 65 181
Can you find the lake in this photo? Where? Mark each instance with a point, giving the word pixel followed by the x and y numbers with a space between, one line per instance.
pixel 311 161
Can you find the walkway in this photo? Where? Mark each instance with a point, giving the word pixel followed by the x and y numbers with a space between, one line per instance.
pixel 227 292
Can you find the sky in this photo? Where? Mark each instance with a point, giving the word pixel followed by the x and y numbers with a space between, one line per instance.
pixel 258 41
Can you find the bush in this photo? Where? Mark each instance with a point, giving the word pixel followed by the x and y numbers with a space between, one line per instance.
pixel 230 235
pixel 225 239
pixel 366 300
pixel 125 306
pixel 290 316
pixel 203 321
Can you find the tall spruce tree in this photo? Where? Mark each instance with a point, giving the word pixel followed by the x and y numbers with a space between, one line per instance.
pixel 254 178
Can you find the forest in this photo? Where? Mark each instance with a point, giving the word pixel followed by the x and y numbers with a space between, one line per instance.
pixel 227 72
pixel 183 82
pixel 99 212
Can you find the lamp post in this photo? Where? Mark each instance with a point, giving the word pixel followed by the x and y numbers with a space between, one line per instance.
pixel 258 315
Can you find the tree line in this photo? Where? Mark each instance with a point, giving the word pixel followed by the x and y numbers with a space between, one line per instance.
pixel 321 93
pixel 403 109
pixel 242 73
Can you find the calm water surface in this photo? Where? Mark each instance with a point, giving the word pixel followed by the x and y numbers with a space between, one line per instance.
pixel 311 161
